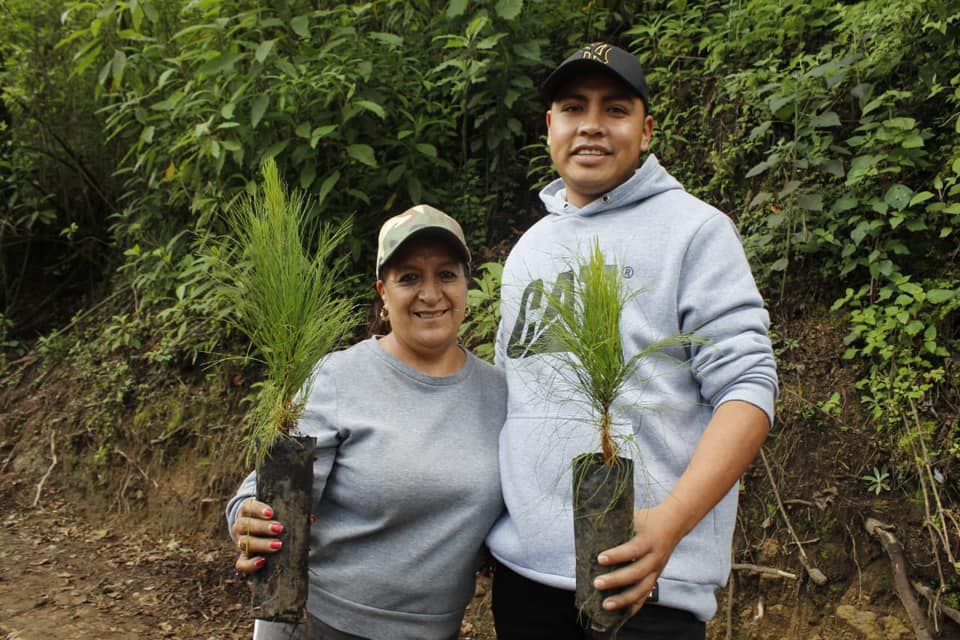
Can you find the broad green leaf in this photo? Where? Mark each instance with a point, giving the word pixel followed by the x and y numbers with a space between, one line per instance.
pixel 810 201
pixel 321 132
pixel 150 11
pixel 757 169
pixel 528 50
pixel 258 109
pixel 162 80
pixel 914 328
pixel 912 141
pixel 301 26
pixel 372 107
pixel 845 203
pixel 898 196
pixel 118 65
pixel 427 149
pixel 779 102
pixel 939 296
pixel 227 110
pixel 414 188
pixel 328 184
pixel 491 42
pixel 274 150
pixel 307 175
pixel 456 8
pixel 859 233
pixel 146 136
pixel 303 130
pixel 509 9
pixel 919 197
pixel 900 123
pixel 221 63
pixel 395 174
pixel 475 28
pixel 780 265
pixel 759 199
pixel 388 39
pixel 263 50
pixel 362 153
pixel 834 167
pixel 828 119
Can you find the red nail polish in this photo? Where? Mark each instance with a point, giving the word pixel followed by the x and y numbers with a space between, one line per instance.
pixel 268 513
pixel 276 528
pixel 276 544
pixel 260 562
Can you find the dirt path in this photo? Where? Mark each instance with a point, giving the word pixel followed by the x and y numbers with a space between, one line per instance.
pixel 65 578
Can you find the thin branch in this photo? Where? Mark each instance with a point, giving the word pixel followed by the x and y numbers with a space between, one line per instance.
pixel 137 467
pixel 768 572
pixel 815 574
pixel 53 454
pixel 933 597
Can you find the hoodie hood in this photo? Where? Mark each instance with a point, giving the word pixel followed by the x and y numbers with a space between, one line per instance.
pixel 650 180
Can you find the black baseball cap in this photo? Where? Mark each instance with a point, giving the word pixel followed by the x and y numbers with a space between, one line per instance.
pixel 597 56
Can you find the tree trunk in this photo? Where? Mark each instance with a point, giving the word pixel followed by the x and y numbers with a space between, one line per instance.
pixel 602 518
pixel 285 482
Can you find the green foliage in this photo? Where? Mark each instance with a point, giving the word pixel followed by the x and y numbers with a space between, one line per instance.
pixel 878 481
pixel 286 302
pixel 54 170
pixel 479 331
pixel 830 132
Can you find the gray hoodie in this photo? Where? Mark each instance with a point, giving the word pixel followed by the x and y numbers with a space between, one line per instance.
pixel 684 260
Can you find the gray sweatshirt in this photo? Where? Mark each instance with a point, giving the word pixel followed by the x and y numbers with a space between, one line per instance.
pixel 406 487
pixel 684 261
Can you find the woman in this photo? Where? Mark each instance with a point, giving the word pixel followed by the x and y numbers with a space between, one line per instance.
pixel 406 474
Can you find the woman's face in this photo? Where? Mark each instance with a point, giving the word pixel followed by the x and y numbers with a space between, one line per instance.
pixel 424 290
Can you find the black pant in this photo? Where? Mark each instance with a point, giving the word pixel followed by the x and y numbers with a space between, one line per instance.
pixel 527 610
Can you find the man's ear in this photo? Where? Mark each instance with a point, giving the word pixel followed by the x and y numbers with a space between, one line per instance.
pixel 549 117
pixel 646 135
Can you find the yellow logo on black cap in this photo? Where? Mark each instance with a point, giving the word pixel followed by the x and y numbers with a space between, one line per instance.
pixel 599 51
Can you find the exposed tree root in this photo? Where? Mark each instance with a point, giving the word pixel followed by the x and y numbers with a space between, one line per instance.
pixel 901 582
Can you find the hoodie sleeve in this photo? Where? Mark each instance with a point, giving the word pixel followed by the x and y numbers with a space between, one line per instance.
pixel 720 306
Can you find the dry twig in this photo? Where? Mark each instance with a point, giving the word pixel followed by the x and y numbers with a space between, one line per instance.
pixel 815 574
pixel 53 454
pixel 933 597
pixel 768 572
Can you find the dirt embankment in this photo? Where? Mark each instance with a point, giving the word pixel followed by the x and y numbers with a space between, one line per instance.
pixel 115 530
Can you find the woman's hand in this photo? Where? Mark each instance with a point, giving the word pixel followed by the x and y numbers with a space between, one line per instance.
pixel 256 533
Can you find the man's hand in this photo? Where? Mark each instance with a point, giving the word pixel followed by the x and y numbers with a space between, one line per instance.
pixel 657 535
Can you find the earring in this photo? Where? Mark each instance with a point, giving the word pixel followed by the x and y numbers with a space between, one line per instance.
pixel 384 313
pixel 466 312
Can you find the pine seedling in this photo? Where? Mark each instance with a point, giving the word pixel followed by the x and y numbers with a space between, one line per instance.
pixel 586 331
pixel 287 302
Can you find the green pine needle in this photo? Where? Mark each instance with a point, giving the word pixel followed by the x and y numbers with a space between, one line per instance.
pixel 586 330
pixel 285 301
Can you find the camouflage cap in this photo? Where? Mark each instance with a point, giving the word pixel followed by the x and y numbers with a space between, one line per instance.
pixel 417 219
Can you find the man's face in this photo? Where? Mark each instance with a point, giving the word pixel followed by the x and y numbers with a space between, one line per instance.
pixel 596 128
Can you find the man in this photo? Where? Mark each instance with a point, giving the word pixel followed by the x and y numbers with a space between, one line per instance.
pixel 693 423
